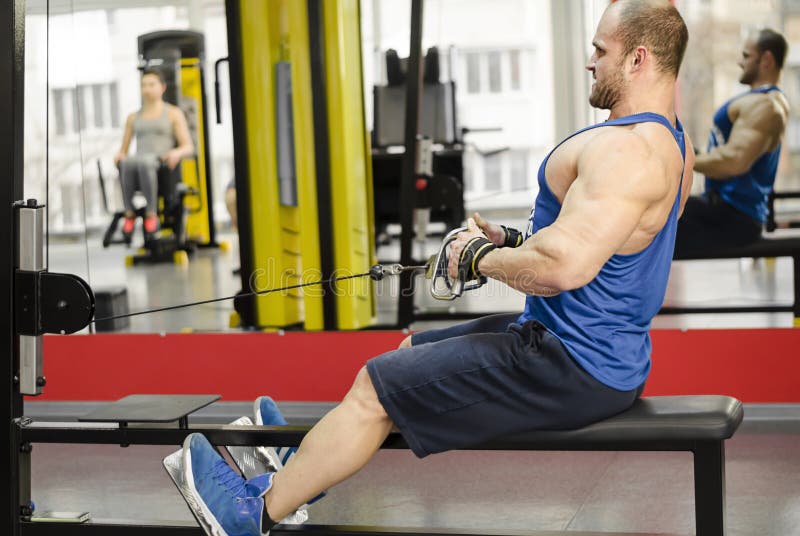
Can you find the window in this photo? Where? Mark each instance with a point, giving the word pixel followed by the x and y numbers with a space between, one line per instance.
pixel 59 112
pixel 83 107
pixel 469 171
pixel 495 77
pixel 514 59
pixel 99 104
pixel 73 102
pixel 91 106
pixel 520 179
pixel 493 172
pixel 473 72
pixel 494 71
pixel 113 94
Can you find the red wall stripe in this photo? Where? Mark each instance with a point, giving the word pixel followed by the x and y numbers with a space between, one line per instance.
pixel 754 365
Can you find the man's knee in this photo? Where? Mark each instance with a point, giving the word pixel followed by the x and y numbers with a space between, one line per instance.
pixel 364 396
pixel 406 342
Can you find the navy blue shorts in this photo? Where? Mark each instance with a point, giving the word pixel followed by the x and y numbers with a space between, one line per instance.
pixel 464 385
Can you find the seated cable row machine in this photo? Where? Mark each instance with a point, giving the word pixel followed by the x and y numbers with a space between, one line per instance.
pixel 46 302
pixel 37 301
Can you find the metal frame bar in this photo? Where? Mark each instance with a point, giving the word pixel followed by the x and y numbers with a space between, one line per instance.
pixel 209 177
pixel 285 436
pixel 668 310
pixel 240 152
pixel 727 309
pixel 405 309
pixel 796 280
pixel 12 75
pixel 708 460
pixel 709 488
pixel 771 225
pixel 322 159
pixel 103 527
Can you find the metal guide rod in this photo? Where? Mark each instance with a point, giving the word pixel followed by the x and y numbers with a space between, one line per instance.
pixel 405 309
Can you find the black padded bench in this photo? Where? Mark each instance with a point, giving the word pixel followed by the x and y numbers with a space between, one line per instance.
pixel 697 424
pixel 766 247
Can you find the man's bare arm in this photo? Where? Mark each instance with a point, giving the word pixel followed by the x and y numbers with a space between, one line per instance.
pixel 619 177
pixel 753 134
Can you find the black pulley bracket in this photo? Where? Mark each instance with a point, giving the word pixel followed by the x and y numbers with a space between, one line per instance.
pixel 49 302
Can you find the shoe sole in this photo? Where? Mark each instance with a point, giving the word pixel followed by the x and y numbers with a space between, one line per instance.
pixel 254 461
pixel 179 468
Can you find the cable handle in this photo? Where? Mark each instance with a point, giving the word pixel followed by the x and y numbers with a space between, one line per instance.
pixel 443 287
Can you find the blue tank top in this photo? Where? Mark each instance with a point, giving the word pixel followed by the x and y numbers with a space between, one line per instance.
pixel 605 324
pixel 749 191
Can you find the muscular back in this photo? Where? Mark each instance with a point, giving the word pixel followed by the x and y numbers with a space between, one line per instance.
pixel 763 114
pixel 660 154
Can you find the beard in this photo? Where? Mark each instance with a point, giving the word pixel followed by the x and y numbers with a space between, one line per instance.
pixel 606 93
pixel 747 77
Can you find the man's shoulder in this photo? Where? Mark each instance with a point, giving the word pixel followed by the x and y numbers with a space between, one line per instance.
pixel 766 103
pixel 625 137
pixel 640 147
pixel 641 143
pixel 648 137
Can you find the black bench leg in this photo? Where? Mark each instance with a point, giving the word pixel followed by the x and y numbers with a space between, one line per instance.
pixel 709 488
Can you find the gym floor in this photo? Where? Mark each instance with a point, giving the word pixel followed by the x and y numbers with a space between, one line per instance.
pixel 593 491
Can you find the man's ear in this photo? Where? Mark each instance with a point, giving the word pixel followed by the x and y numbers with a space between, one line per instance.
pixel 638 58
pixel 767 59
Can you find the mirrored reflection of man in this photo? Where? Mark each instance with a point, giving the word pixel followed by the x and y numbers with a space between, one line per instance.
pixel 742 155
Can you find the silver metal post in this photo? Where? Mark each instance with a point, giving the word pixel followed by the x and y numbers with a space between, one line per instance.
pixel 30 258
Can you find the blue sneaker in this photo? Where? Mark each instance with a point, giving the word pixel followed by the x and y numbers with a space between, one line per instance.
pixel 267 413
pixel 223 500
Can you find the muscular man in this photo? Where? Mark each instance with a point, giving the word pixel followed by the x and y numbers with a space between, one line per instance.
pixel 162 135
pixel 594 264
pixel 742 158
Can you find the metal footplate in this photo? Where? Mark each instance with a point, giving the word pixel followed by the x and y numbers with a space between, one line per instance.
pixel 253 461
pixel 151 409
